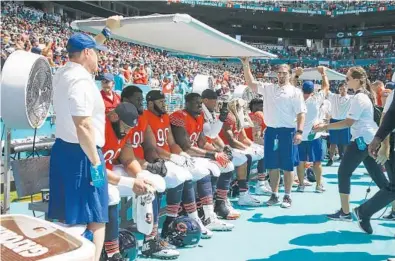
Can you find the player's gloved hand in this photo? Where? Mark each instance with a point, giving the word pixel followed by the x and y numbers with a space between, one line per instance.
pixel 228 151
pixel 179 160
pixel 222 159
pixel 190 161
pixel 97 175
pixel 158 167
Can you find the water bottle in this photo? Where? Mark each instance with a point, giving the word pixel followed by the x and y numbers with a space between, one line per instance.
pixel 311 136
pixel 360 143
pixel 97 175
pixel 88 235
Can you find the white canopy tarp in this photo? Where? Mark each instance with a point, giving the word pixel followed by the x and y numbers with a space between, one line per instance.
pixel 178 33
pixel 313 74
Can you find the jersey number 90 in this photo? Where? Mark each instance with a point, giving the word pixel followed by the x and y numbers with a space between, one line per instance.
pixel 161 137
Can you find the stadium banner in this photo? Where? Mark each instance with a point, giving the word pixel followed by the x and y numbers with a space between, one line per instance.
pixel 361 33
pixel 256 7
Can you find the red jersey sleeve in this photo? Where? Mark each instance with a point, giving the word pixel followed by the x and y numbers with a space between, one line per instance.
pixel 177 119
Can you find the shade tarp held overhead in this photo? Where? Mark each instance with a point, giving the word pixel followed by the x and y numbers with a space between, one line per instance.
pixel 313 74
pixel 178 33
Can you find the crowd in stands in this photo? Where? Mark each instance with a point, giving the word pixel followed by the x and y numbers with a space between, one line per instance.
pixel 368 51
pixel 319 5
pixel 24 28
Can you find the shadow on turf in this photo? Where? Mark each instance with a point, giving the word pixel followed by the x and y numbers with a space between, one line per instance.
pixel 334 176
pixel 391 225
pixel 357 183
pixel 281 220
pixel 333 238
pixel 308 255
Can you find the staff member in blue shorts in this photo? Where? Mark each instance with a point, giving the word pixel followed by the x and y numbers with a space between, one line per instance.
pixel 340 104
pixel 310 150
pixel 282 105
pixel 77 178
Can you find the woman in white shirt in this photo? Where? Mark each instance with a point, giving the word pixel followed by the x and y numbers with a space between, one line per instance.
pixel 363 128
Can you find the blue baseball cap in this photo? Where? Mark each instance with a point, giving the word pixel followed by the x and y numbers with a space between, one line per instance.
pixel 308 87
pixel 390 85
pixel 80 41
pixel 108 77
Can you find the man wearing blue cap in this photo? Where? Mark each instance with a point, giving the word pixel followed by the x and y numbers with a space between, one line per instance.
pixel 310 149
pixel 111 99
pixel 77 177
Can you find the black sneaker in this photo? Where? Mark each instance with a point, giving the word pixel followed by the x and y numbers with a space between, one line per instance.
pixel 117 257
pixel 223 211
pixel 273 200
pixel 390 216
pixel 340 216
pixel 364 223
pixel 329 163
pixel 154 249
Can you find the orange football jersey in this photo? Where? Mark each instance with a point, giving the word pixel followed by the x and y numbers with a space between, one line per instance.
pixel 137 137
pixel 193 126
pixel 160 126
pixel 113 146
pixel 231 122
pixel 257 119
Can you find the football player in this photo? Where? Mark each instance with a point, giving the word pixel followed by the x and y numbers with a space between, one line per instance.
pixel 142 142
pixel 255 133
pixel 159 121
pixel 211 129
pixel 187 126
pixel 129 182
pixel 233 134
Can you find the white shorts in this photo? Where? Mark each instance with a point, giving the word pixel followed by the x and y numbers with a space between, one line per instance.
pixel 255 151
pixel 176 175
pixel 238 158
pixel 115 192
pixel 202 168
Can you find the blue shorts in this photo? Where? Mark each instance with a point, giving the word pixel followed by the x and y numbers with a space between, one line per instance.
pixel 73 199
pixel 286 157
pixel 339 137
pixel 311 151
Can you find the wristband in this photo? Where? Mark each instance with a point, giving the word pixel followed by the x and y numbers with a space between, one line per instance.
pixel 210 155
pixel 106 32
pixel 126 181
pixel 299 131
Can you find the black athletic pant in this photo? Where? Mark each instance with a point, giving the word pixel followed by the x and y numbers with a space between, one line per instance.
pixel 386 194
pixel 351 159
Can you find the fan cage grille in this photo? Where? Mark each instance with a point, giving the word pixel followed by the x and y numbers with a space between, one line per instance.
pixel 39 93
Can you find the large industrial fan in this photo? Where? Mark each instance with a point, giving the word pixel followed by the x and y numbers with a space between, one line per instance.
pixel 26 95
pixel 26 90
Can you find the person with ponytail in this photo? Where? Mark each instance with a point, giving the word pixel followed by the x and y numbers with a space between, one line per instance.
pixel 360 118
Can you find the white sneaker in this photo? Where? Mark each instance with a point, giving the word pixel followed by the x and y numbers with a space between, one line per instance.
pixel 320 189
pixel 214 224
pixel 206 233
pixel 263 188
pixel 300 188
pixel 246 199
pixel 230 207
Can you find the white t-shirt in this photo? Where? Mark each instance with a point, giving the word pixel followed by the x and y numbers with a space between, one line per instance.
pixel 325 109
pixel 76 94
pixel 361 110
pixel 339 105
pixel 281 104
pixel 388 103
pixel 313 104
